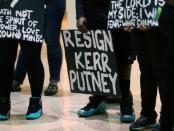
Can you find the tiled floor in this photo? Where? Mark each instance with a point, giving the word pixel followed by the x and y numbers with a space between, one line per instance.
pixel 60 110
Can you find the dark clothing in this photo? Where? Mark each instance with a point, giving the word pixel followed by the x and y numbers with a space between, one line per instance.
pixel 31 51
pixel 170 2
pixel 96 11
pixel 83 6
pixel 21 69
pixel 123 47
pixel 167 28
pixel 150 48
pixel 54 15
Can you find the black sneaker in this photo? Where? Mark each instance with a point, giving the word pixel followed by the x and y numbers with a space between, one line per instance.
pixel 127 112
pixel 156 127
pixel 34 109
pixel 15 87
pixel 51 89
pixel 142 123
pixel 4 108
pixel 92 108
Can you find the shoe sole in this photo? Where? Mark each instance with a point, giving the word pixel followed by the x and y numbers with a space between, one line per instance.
pixel 5 118
pixel 142 128
pixel 30 117
pixel 127 118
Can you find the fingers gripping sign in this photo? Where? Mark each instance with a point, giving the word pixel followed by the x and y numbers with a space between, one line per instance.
pixel 13 3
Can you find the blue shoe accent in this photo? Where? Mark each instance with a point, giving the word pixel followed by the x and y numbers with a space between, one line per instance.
pixel 35 115
pixel 34 109
pixel 127 118
pixel 89 110
pixel 5 106
pixel 5 117
pixel 127 112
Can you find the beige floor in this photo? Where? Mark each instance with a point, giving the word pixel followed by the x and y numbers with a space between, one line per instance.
pixel 60 110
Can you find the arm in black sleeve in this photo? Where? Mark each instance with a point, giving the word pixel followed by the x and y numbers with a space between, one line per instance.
pixel 79 8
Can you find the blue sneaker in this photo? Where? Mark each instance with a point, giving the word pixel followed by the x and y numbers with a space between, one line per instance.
pixel 127 112
pixel 4 108
pixel 92 108
pixel 34 109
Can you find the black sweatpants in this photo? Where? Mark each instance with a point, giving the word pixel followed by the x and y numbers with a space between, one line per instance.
pixel 31 51
pixel 167 28
pixel 150 48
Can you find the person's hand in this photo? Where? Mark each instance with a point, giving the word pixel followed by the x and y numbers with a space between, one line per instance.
pixel 81 24
pixel 128 29
pixel 142 27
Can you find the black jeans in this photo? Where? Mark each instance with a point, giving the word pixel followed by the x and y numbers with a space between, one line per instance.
pixel 150 50
pixel 31 51
pixel 167 27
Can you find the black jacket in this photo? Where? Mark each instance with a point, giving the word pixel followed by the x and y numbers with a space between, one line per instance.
pixel 95 11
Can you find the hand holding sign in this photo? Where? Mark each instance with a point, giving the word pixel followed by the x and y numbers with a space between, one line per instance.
pixel 13 3
pixel 81 24
pixel 91 62
pixel 142 27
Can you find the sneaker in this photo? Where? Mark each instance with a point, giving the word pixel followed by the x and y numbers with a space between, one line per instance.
pixel 127 112
pixel 51 89
pixel 156 127
pixel 15 87
pixel 142 123
pixel 34 109
pixel 93 108
pixel 4 108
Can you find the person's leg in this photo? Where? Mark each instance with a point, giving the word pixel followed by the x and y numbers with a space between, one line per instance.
pixel 157 50
pixel 167 27
pixel 8 51
pixel 124 54
pixel 54 15
pixel 31 52
pixel 148 82
pixel 19 74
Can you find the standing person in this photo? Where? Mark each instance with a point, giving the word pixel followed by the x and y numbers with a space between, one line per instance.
pixel 150 49
pixel 93 15
pixel 54 13
pixel 31 51
pixel 167 27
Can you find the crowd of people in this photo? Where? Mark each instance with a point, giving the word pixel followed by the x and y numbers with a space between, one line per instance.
pixel 153 47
